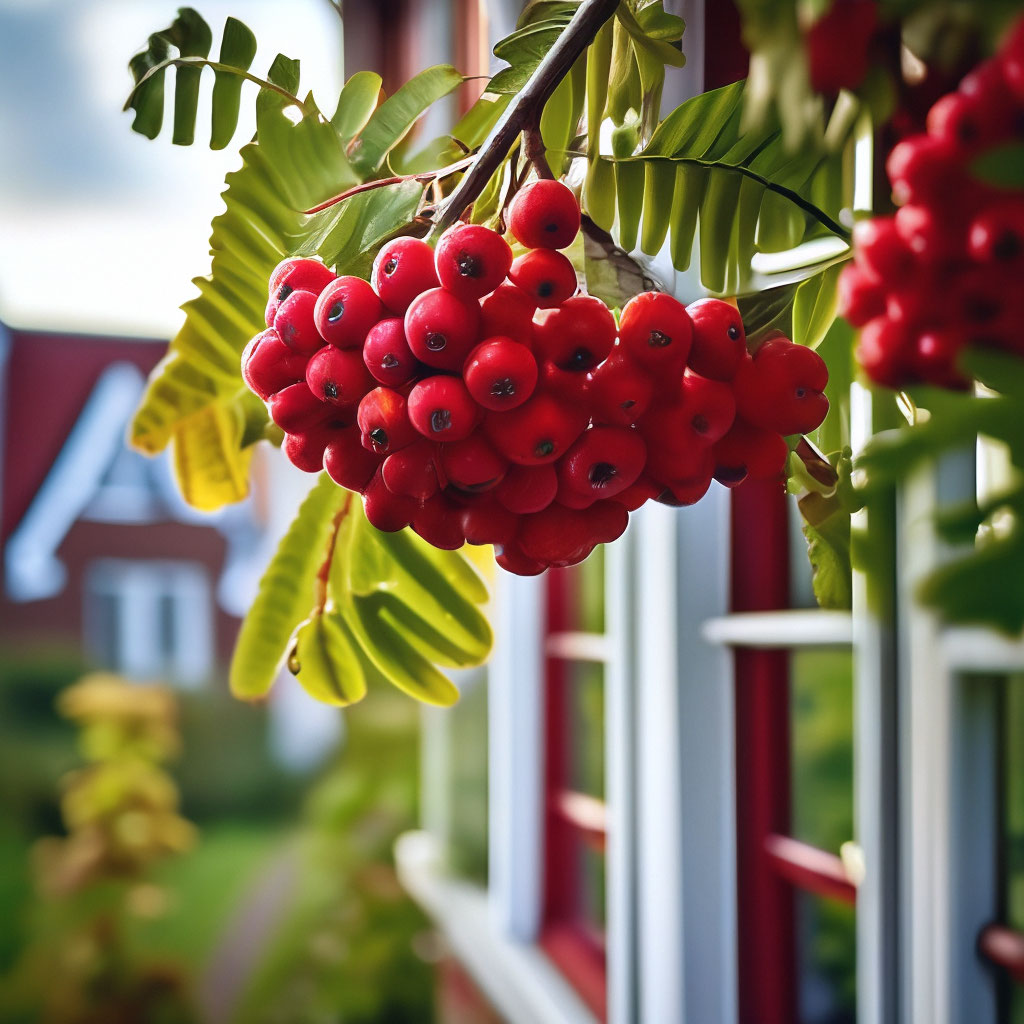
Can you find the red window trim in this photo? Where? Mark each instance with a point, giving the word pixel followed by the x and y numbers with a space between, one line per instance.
pixel 810 868
pixel 571 819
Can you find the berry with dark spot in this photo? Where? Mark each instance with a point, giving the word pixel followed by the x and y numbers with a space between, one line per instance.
pixel 500 373
pixel 577 336
pixel 383 419
pixel 544 215
pixel 471 260
pixel 472 464
pixel 442 409
pixel 538 431
pixel 338 376
pixel 545 275
pixel 657 332
pixel 346 310
pixel 403 269
pixel 295 324
pixel 387 355
pixel 442 328
pixel 603 462
pixel 718 339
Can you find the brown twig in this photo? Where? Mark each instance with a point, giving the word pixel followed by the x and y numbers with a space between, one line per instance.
pixel 533 147
pixel 525 108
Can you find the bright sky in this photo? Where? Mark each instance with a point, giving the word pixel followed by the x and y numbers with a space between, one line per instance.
pixel 102 230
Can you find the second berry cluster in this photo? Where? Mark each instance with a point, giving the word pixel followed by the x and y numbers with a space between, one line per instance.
pixel 477 397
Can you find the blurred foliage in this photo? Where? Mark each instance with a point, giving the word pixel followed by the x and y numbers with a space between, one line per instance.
pixel 120 810
pixel 349 945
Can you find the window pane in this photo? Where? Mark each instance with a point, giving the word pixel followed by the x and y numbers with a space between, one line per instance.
pixel 102 616
pixel 468 781
pixel 586 594
pixel 167 638
pixel 826 952
pixel 821 705
pixel 1013 820
pixel 592 894
pixel 584 689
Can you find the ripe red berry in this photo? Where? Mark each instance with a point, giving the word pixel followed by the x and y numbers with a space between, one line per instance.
pixel 860 297
pixel 538 431
pixel 438 522
pixel 936 353
pixel 472 464
pixel 967 121
pixel 572 386
pixel 545 275
pixel 885 351
pixel 680 493
pixel 544 215
pixel 295 275
pixel 441 329
pixel 881 252
pixel 500 373
pixel 558 536
pixel 837 45
pixel 603 462
pixel 718 339
pixel 442 409
pixel 486 521
pixel 383 419
pixel 997 234
pixel 402 270
pixel 306 451
pixel 412 471
pixel 269 365
pixel 295 409
pixel 619 393
pixel 512 559
pixel 642 490
pixel 708 407
pixel 471 260
pixel 338 376
pixel 749 453
pixel 677 457
pixel 507 312
pixel 387 355
pixel 527 489
pixel 295 324
pixel 576 336
pixel 922 168
pixel 347 462
pixel 386 511
pixel 346 310
pixel 608 521
pixel 780 389
pixel 932 236
pixel 657 332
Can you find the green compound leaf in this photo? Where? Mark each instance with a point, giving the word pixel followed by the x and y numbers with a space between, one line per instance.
pixel 286 592
pixel 325 660
pixel 815 307
pixel 739 192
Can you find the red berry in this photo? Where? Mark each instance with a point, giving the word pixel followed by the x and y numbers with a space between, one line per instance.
pixel 644 489
pixel 718 339
pixel 295 275
pixel 620 393
pixel 608 521
pixel 881 252
pixel 708 407
pixel 923 168
pixel 932 236
pixel 472 464
pixel 512 559
pixel 967 122
pixel 442 409
pixel 402 270
pixel 471 260
pixel 997 234
pixel 507 312
pixel 500 373
pixel 387 355
pixel 749 453
pixel 571 386
pixel 306 451
pixel 383 420
pixel 860 297
pixel 886 353
pixel 338 376
pixel 781 388
pixel 386 511
pixel 486 521
pixel 269 365
pixel 576 336
pixel 603 462
pixel 295 409
pixel 347 462
pixel 346 310
pixel 681 493
pixel 837 45
pixel 558 536
pixel 545 275
pixel 412 471
pixel 544 215
pixel 295 324
pixel 442 328
pixel 674 459
pixel 526 489
pixel 538 431
pixel 936 353
pixel 438 522
pixel 657 332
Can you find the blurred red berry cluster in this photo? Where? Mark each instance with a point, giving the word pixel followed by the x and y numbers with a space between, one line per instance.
pixel 476 397
pixel 944 272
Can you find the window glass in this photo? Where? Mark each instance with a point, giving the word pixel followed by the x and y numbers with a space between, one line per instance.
pixel 585 605
pixel 467 752
pixel 592 893
pixel 585 720
pixel 821 722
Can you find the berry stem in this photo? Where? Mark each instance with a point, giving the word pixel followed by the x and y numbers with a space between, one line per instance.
pixel 524 110
pixel 424 177
pixel 533 147
pixel 323 575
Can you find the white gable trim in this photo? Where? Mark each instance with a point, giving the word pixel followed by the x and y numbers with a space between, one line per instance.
pixel 32 571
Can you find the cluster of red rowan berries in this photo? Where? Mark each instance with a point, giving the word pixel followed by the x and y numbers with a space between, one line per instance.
pixel 945 271
pixel 476 397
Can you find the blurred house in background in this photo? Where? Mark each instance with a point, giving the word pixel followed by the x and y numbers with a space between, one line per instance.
pixel 98 547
